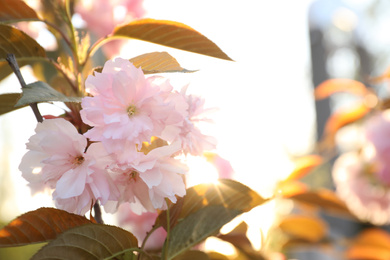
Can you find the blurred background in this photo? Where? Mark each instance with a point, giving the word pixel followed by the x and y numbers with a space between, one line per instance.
pixel 266 112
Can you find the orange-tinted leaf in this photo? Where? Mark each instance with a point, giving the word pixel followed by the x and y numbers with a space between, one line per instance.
pixel 193 255
pixel 344 117
pixel 8 101
pixel 298 243
pixel 170 34
pixel 91 241
pixel 17 42
pixel 157 62
pixel 38 226
pixel 286 189
pixel 154 62
pixel 303 227
pixel 331 86
pixel 363 252
pixel 324 199
pixel 217 256
pixel 383 77
pixel 372 243
pixel 16 10
pixel 238 238
pixel 303 166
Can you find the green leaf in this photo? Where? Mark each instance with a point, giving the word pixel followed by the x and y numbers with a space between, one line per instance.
pixel 39 226
pixel 17 42
pixel 8 101
pixel 204 210
pixel 197 227
pixel 228 193
pixel 171 34
pixel 157 62
pixel 16 10
pixel 91 241
pixel 41 92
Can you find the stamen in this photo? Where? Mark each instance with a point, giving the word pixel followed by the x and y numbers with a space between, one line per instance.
pixel 78 160
pixel 133 175
pixel 131 110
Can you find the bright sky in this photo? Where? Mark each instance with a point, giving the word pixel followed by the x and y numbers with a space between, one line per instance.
pixel 264 96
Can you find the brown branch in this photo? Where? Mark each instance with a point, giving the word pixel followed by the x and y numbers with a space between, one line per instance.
pixel 15 67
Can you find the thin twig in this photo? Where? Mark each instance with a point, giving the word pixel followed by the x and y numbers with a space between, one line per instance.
pixel 15 67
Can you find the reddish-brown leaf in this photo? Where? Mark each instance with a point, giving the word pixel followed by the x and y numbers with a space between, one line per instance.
pixel 331 86
pixel 17 42
pixel 38 226
pixel 170 34
pixel 8 101
pixel 303 166
pixel 372 244
pixel 16 10
pixel 324 199
pixel 193 255
pixel 92 242
pixel 303 227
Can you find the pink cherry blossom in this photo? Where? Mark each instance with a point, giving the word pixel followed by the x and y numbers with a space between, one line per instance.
pixel 149 179
pixel 139 225
pixel 378 134
pixel 187 132
pixel 356 183
pixel 102 16
pixel 126 108
pixel 56 160
pixel 223 166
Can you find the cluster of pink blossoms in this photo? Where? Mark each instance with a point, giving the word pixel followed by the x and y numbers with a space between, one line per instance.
pixel 125 110
pixel 362 178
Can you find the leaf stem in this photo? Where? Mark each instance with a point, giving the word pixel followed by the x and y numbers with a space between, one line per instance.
pixel 95 46
pixel 166 245
pixel 133 249
pixel 148 234
pixel 63 35
pixel 15 67
pixel 74 43
pixel 59 69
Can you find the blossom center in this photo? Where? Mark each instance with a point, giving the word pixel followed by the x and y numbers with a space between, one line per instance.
pixel 131 110
pixel 78 160
pixel 133 175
